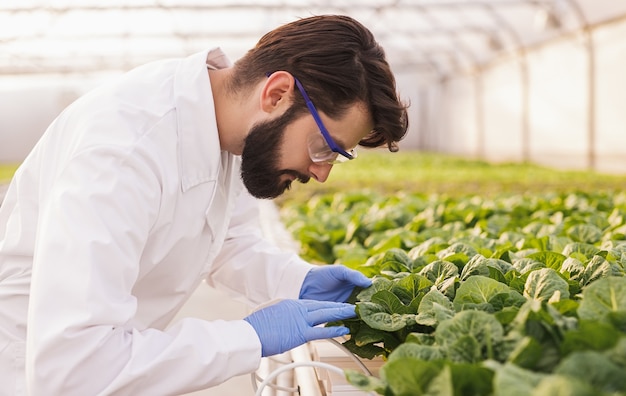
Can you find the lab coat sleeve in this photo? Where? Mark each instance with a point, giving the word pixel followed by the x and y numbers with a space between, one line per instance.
pixel 250 267
pixel 94 221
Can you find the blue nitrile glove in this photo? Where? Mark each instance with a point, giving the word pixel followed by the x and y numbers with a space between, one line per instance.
pixel 290 323
pixel 332 283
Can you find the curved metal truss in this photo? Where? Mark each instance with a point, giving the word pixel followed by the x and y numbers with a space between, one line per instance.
pixel 436 37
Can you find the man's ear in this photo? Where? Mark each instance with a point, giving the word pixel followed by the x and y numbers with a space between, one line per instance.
pixel 277 92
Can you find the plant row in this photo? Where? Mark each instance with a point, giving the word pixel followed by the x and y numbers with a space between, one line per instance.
pixel 515 295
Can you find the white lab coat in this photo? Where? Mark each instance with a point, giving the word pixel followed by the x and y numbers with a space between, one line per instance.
pixel 123 207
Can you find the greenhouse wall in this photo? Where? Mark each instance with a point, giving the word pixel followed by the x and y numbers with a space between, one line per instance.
pixel 456 118
pixel 611 96
pixel 555 116
pixel 530 106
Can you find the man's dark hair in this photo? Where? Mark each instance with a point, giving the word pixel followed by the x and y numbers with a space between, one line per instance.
pixel 339 63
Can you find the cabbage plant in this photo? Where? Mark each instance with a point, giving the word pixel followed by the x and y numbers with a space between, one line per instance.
pixel 514 295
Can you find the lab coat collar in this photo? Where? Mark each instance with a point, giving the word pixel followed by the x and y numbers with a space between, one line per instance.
pixel 199 150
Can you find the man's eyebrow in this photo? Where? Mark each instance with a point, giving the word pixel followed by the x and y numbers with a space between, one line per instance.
pixel 341 143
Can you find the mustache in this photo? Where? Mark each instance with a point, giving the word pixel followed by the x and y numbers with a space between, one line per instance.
pixel 301 177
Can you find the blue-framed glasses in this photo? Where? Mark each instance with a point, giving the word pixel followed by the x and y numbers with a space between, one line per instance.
pixel 325 150
pixel 322 148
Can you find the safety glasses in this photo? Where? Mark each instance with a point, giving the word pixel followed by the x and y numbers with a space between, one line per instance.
pixel 322 147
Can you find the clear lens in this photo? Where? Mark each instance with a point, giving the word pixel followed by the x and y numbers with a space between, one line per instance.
pixel 317 143
pixel 319 151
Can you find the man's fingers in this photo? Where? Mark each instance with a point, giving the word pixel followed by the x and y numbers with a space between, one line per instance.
pixel 319 312
pixel 313 305
pixel 352 276
pixel 359 279
pixel 325 315
pixel 319 333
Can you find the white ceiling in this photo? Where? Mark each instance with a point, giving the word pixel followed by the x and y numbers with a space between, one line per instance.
pixel 434 36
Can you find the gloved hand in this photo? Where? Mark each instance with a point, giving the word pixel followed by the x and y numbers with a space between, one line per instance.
pixel 290 323
pixel 332 283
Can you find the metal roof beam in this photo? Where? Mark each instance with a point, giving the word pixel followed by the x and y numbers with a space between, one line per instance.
pixel 281 7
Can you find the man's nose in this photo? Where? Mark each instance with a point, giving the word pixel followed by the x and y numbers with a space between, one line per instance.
pixel 320 171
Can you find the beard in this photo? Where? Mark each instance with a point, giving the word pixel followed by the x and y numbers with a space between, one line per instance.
pixel 261 154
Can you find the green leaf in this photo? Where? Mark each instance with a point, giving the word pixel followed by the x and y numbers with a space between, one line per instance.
pixel 378 283
pixel 392 268
pixel 371 268
pixel 366 335
pixel 516 280
pixel 504 253
pixel 351 255
pixel 410 287
pixel 364 382
pixel 475 266
pixel 573 267
pixel 618 353
pixel 546 285
pixel 368 351
pixel 390 302
pixel 585 233
pixel 602 298
pixel 511 380
pixel 557 243
pixel 536 320
pixel 590 335
pixel 431 245
pixel 397 255
pixel 420 338
pixel 434 308
pixel 458 259
pixel 462 380
pixel 482 328
pixel 525 265
pixel 417 351
pixel 438 271
pixel 594 368
pixel 408 376
pixel 501 265
pixel 567 307
pixel 377 317
pixel 464 349
pixel 526 353
pixel 509 299
pixel 552 260
pixel 564 386
pixel 618 319
pixel 585 249
pixel 598 268
pixel 512 238
pixel 457 247
pixel 448 287
pixel 442 384
pixel 478 290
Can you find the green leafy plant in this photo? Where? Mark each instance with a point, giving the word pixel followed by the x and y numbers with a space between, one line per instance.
pixel 512 295
pixel 448 348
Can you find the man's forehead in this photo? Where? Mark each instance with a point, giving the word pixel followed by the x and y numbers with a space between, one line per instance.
pixel 357 123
